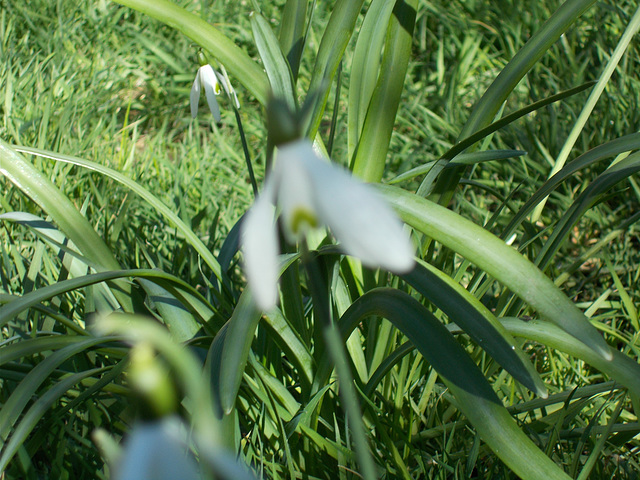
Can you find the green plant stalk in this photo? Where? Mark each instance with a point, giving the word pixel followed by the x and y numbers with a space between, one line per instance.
pixel 373 144
pixel 337 352
pixel 490 103
pixel 590 104
pixel 241 66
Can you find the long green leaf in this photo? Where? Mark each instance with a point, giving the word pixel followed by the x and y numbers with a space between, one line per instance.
pixel 292 33
pixel 622 368
pixel 606 150
pixel 274 61
pixel 587 109
pixel 475 396
pixel 37 411
pixel 332 46
pixel 373 144
pixel 589 197
pixel 31 346
pixel 229 351
pixel 291 344
pixel 497 259
pixel 365 66
pixel 154 201
pixel 474 318
pixel 76 227
pixel 21 395
pixel 181 290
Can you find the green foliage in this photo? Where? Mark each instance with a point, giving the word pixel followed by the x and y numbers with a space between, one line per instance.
pixel 510 350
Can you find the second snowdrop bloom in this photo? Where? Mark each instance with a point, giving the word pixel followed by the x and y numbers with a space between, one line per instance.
pixel 311 192
pixel 207 80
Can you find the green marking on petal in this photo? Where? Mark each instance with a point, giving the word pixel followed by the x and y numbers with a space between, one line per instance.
pixel 302 219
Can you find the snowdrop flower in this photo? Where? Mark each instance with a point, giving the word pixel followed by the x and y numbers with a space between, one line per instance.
pixel 206 78
pixel 157 450
pixel 310 192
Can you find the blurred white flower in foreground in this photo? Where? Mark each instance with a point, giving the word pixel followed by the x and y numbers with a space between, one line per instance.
pixel 206 79
pixel 309 193
pixel 157 451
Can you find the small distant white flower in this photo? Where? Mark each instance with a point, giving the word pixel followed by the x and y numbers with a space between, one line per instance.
pixel 311 192
pixel 206 78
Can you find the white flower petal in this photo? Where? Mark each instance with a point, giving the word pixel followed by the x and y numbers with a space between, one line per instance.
pixel 363 223
pixel 226 84
pixel 157 451
pixel 194 98
pixel 295 190
pixel 259 239
pixel 211 89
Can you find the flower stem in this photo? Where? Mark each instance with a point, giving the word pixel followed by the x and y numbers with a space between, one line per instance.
pixel 338 354
pixel 245 149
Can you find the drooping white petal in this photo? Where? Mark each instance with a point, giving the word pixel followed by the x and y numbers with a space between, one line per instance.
pixel 157 451
pixel 259 239
pixel 211 89
pixel 294 190
pixel 194 98
pixel 363 223
pixel 226 84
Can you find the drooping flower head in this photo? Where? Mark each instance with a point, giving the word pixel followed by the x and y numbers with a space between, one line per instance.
pixel 207 80
pixel 310 192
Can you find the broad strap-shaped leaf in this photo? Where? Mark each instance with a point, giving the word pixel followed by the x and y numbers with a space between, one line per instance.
pixel 293 33
pixel 332 46
pixel 37 411
pixel 66 216
pixel 181 290
pixel 28 386
pixel 229 352
pixel 498 259
pixel 151 199
pixel 473 393
pixel 274 61
pixel 475 319
pixel 373 144
pixel 622 368
pixel 365 66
